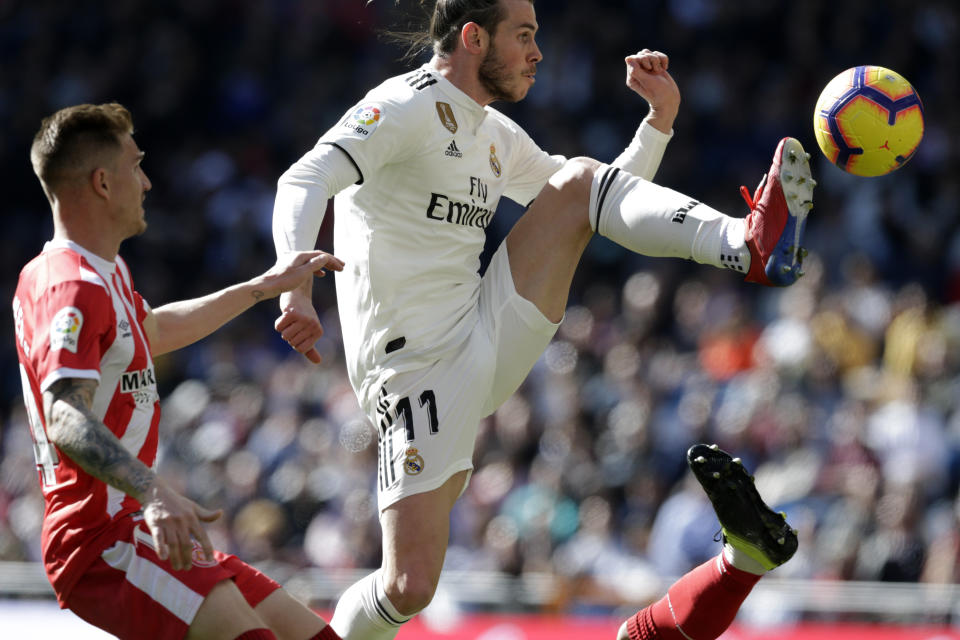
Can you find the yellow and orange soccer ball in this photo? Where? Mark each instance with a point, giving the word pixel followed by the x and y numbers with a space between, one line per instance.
pixel 868 121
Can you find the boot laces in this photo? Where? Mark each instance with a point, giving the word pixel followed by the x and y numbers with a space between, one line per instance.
pixel 752 202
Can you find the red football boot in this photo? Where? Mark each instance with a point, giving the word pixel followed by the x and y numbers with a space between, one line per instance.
pixel 778 214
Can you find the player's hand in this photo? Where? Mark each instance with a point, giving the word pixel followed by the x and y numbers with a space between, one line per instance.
pixel 175 522
pixel 298 323
pixel 295 269
pixel 648 76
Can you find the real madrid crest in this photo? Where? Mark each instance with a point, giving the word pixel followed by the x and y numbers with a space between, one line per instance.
pixel 494 162
pixel 413 464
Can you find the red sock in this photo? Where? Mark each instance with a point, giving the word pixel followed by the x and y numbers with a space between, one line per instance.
pixel 257 634
pixel 327 633
pixel 699 606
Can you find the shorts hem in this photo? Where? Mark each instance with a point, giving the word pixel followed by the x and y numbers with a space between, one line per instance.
pixel 533 317
pixel 386 499
pixel 527 310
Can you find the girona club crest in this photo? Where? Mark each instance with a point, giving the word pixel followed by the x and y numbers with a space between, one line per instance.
pixel 198 559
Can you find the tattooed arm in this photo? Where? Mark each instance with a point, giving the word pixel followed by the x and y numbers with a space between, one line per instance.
pixel 178 324
pixel 81 436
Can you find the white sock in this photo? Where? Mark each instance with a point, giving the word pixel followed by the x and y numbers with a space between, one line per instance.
pixel 659 222
pixel 365 613
pixel 741 560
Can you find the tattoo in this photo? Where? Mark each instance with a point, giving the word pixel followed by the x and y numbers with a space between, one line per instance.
pixel 257 294
pixel 82 437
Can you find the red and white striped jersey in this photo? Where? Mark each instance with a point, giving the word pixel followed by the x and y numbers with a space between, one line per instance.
pixel 77 315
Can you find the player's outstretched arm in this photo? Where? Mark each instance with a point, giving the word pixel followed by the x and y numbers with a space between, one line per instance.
pixel 303 192
pixel 178 324
pixel 648 76
pixel 173 520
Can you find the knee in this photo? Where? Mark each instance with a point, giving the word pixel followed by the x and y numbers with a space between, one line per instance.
pixel 572 184
pixel 575 176
pixel 410 592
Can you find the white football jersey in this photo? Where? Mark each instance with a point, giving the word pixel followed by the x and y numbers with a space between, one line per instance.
pixel 433 165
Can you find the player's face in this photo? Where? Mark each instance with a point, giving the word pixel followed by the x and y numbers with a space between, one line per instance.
pixel 131 185
pixel 507 70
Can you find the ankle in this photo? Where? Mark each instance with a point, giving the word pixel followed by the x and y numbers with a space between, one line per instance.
pixel 748 572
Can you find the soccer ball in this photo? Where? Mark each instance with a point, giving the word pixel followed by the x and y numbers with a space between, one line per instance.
pixel 868 121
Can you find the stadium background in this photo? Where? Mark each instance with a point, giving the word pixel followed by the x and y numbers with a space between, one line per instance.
pixel 842 391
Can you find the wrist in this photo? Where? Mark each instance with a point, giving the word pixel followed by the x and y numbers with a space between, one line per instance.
pixel 151 488
pixel 257 290
pixel 304 292
pixel 661 119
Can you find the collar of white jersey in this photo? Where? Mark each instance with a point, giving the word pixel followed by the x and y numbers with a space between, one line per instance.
pixel 98 263
pixel 473 107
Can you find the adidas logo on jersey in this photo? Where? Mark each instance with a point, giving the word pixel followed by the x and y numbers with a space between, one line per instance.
pixel 453 151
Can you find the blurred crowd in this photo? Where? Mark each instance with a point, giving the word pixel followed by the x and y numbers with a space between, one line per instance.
pixel 841 392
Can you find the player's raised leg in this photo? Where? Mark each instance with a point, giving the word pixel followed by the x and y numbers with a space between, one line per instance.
pixel 546 243
pixel 704 602
pixel 586 196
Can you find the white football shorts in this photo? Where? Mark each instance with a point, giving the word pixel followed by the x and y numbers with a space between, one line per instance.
pixel 427 419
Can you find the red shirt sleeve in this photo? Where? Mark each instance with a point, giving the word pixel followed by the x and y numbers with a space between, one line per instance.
pixel 142 307
pixel 74 324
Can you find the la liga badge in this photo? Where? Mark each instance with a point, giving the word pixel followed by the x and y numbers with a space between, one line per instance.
pixel 365 119
pixel 65 329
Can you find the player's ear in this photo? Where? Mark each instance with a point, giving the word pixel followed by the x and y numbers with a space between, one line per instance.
pixel 100 182
pixel 473 37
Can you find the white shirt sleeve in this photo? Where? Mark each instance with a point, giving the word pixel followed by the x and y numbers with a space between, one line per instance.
pixel 530 168
pixel 302 195
pixel 643 155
